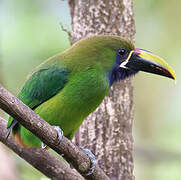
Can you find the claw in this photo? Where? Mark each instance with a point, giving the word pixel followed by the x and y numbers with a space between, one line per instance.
pixel 60 135
pixel 43 146
pixel 59 131
pixel 92 159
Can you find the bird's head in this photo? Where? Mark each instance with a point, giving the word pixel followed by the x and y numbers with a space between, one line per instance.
pixel 130 62
pixel 118 57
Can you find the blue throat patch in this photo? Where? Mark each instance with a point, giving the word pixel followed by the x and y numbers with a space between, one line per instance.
pixel 117 73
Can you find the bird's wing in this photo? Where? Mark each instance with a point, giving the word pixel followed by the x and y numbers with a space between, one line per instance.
pixel 41 86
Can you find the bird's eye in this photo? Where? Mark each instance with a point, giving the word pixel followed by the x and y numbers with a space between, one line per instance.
pixel 122 52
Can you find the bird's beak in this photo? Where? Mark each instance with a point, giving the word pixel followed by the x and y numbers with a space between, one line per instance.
pixel 142 60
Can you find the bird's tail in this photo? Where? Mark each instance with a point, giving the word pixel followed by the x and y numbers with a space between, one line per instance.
pixel 10 127
pixel 18 140
pixel 14 126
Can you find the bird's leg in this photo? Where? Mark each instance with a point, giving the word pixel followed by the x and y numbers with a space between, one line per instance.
pixel 60 135
pixel 92 159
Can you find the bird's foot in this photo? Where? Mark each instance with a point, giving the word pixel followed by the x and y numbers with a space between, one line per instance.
pixel 60 135
pixel 59 132
pixel 43 146
pixel 92 159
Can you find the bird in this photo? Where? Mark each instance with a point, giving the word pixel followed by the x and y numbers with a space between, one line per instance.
pixel 67 87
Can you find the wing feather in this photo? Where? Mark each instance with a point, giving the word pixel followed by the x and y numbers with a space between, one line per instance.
pixel 41 86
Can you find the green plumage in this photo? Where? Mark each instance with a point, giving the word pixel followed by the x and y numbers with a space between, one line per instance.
pixel 42 85
pixel 66 88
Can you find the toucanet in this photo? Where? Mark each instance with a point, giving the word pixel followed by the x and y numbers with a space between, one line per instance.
pixel 67 87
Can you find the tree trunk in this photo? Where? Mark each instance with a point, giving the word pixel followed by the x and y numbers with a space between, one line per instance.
pixel 108 131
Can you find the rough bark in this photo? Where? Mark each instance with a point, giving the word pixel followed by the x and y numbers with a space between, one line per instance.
pixel 39 158
pixel 108 131
pixel 25 116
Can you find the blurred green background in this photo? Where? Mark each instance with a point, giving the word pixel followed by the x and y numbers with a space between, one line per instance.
pixel 30 32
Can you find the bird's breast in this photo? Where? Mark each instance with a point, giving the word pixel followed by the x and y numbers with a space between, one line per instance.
pixel 81 95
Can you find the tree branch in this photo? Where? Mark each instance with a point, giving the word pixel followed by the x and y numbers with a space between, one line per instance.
pixel 39 158
pixel 30 120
